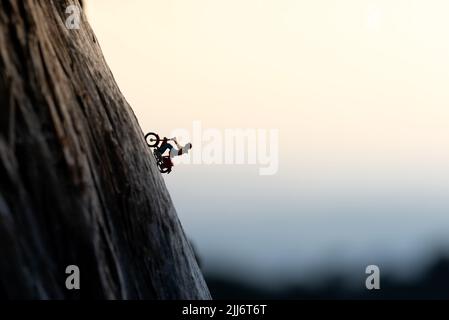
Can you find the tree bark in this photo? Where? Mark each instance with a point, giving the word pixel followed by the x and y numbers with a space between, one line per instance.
pixel 78 185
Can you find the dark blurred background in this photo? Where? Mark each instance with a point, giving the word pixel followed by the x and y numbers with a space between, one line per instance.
pixel 432 283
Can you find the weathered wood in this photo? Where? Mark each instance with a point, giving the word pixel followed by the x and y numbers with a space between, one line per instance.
pixel 78 184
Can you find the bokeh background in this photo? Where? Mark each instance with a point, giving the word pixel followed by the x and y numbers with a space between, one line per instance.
pixel 358 91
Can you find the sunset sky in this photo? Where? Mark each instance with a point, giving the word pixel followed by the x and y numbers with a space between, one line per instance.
pixel 358 90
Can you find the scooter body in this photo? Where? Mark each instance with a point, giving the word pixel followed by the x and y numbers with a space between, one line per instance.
pixel 164 163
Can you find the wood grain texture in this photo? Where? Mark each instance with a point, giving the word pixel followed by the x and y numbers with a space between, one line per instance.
pixel 78 184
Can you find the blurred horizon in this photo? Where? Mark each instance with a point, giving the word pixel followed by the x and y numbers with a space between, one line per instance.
pixel 358 91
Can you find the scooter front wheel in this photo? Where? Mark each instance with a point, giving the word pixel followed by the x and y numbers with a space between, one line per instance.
pixel 152 139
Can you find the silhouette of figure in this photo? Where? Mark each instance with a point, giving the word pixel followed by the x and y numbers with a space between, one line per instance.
pixel 173 152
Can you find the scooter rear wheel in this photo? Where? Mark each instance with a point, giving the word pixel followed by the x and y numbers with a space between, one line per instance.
pixel 164 169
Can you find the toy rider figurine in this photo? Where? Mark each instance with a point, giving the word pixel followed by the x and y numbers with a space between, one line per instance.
pixel 173 152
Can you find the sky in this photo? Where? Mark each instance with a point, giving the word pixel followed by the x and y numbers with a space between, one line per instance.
pixel 358 92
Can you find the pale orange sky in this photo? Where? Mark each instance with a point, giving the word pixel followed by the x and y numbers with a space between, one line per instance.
pixel 358 76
